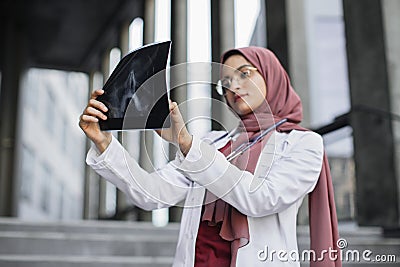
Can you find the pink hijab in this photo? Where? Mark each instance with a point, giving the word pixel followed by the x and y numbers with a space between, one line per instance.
pixel 283 103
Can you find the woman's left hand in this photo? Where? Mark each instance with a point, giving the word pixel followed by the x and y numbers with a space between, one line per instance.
pixel 177 134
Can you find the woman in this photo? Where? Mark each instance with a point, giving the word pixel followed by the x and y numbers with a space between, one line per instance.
pixel 237 212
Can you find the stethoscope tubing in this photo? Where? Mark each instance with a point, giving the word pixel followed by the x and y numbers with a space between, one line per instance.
pixel 245 146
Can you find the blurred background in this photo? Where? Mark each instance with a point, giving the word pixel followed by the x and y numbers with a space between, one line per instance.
pixel 343 58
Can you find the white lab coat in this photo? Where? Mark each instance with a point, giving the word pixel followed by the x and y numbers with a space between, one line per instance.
pixel 286 172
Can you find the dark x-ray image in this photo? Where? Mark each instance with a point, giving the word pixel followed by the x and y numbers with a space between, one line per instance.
pixel 136 92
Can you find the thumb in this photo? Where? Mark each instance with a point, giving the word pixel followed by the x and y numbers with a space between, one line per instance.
pixel 176 115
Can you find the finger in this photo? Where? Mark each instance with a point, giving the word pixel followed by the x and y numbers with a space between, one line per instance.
pixel 98 105
pixel 95 113
pixel 87 118
pixel 96 93
pixel 175 112
pixel 172 106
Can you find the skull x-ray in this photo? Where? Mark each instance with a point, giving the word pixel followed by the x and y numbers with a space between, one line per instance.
pixel 136 92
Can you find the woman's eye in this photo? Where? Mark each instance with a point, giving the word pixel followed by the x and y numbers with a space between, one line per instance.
pixel 245 74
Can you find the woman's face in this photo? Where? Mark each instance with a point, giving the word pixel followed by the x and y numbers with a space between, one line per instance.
pixel 245 87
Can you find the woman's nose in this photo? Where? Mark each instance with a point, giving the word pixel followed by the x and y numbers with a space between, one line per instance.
pixel 235 85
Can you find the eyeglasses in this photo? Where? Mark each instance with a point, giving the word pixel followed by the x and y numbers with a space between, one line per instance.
pixel 241 75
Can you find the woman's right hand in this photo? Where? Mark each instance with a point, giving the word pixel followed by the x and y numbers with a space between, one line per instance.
pixel 89 122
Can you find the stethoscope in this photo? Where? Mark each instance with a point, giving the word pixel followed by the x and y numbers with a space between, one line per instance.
pixel 246 146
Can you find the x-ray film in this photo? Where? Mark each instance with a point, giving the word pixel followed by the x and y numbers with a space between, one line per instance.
pixel 136 91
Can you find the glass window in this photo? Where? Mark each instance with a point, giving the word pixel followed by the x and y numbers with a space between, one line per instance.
pixel 30 88
pixel 45 188
pixel 28 166
pixel 64 134
pixel 50 112
pixel 77 84
pixel 61 201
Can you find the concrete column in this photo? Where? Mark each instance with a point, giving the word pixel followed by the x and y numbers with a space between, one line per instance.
pixel 149 21
pixel 87 194
pixel 14 56
pixel 92 179
pixel 376 185
pixel 298 59
pixel 222 39
pixel 146 137
pixel 123 137
pixel 279 25
pixel 277 40
pixel 391 20
pixel 227 24
pixel 178 56
pixel 102 208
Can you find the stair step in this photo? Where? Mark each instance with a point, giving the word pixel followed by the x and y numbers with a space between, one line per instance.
pixel 128 227
pixel 89 226
pixel 81 261
pixel 30 243
pixel 140 244
pixel 348 230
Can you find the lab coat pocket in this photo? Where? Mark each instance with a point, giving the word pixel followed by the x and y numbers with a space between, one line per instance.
pixel 265 162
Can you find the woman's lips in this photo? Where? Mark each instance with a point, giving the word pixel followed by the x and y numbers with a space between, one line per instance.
pixel 238 97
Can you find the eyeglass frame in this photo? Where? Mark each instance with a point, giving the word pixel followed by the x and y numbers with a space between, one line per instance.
pixel 222 90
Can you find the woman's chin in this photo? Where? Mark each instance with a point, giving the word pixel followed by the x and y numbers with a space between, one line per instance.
pixel 242 109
